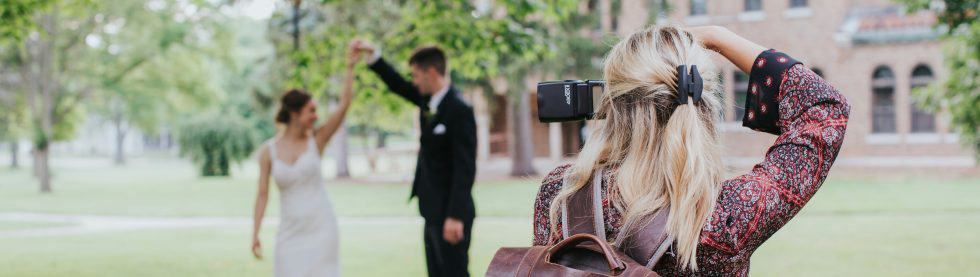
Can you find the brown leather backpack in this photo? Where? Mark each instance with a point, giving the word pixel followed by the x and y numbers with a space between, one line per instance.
pixel 585 251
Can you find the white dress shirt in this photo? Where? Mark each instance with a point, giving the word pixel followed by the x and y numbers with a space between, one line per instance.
pixel 437 98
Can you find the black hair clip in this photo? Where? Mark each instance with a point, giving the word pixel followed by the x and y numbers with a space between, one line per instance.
pixel 689 83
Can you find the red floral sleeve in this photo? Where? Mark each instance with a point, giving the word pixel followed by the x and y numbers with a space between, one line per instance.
pixel 542 206
pixel 810 117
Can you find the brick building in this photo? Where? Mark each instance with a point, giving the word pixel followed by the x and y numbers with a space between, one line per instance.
pixel 872 51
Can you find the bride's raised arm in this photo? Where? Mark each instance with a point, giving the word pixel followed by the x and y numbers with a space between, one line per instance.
pixel 324 132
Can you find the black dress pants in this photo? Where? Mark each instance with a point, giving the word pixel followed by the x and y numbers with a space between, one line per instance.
pixel 442 258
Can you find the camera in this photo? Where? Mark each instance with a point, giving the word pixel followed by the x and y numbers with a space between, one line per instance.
pixel 568 100
pixel 574 100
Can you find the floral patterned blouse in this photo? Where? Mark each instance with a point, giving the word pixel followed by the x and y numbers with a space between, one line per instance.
pixel 785 99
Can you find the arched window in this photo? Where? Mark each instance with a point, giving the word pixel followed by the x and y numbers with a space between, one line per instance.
pixel 922 121
pixel 753 5
pixel 740 88
pixel 883 100
pixel 699 7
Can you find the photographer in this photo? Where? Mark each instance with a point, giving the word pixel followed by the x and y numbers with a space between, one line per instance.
pixel 657 150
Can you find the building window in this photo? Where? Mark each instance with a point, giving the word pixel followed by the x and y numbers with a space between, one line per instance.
pixel 883 100
pixel 740 88
pixel 753 5
pixel 922 121
pixel 797 3
pixel 699 7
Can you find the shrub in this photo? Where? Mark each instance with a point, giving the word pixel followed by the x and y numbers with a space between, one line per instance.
pixel 213 142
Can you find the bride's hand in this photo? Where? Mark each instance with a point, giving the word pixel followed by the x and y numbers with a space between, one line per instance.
pixel 353 53
pixel 257 248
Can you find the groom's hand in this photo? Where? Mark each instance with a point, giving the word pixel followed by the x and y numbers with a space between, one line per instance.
pixel 452 230
pixel 363 46
pixel 369 51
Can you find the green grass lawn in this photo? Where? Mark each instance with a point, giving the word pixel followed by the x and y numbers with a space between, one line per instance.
pixel 169 188
pixel 851 227
pixel 9 225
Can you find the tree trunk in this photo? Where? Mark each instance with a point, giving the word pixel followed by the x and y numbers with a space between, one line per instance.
pixel 120 156
pixel 554 141
pixel 296 4
pixel 36 167
pixel 343 157
pixel 369 152
pixel 14 152
pixel 382 139
pixel 43 171
pixel 633 15
pixel 46 87
pixel 605 16
pixel 523 153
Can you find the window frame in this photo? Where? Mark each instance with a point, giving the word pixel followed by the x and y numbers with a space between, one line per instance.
pixel 884 116
pixel 921 121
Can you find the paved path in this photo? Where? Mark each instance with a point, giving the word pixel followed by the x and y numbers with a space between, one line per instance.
pixel 84 224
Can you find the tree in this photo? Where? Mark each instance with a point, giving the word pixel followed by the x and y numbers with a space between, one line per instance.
pixel 960 93
pixel 573 51
pixel 146 64
pixel 234 69
pixel 215 141
pixel 489 42
pixel 121 55
pixel 16 18
pixel 46 65
pixel 483 42
pixel 315 66
pixel 13 118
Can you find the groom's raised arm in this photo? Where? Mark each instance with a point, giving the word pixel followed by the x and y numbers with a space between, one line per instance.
pixel 396 82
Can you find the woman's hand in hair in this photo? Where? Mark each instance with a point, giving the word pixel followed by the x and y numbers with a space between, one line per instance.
pixel 706 35
pixel 740 51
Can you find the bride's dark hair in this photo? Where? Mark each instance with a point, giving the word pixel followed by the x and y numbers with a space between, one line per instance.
pixel 292 100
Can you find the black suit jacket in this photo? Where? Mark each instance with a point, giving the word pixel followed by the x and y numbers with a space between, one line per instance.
pixel 446 164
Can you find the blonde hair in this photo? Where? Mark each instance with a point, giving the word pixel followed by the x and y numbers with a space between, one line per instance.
pixel 667 154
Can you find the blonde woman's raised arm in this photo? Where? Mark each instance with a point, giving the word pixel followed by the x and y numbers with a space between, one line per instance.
pixel 740 51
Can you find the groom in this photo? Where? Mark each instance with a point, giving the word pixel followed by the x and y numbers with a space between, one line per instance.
pixel 446 164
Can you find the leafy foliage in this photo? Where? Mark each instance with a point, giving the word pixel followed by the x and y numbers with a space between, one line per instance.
pixel 147 65
pixel 482 41
pixel 214 141
pixel 326 29
pixel 960 93
pixel 16 17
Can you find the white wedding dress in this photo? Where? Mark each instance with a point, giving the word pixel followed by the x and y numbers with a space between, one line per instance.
pixel 307 243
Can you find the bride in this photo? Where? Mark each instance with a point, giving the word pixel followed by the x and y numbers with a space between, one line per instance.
pixel 307 243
